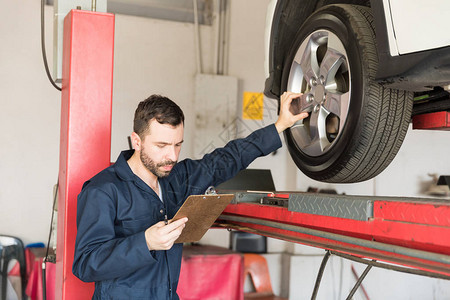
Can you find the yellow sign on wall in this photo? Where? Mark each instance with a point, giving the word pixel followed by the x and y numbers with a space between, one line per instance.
pixel 252 106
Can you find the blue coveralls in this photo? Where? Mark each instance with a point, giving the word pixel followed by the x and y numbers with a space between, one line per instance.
pixel 115 208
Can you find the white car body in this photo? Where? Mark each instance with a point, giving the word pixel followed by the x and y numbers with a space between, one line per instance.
pixel 412 26
pixel 417 25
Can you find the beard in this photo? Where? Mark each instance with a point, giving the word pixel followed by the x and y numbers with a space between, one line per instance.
pixel 154 167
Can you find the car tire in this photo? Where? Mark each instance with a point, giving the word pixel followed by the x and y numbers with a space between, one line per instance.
pixel 355 126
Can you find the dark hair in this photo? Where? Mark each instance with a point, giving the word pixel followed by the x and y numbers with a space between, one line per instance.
pixel 157 107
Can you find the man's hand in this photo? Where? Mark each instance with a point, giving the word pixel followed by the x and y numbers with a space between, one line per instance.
pixel 286 118
pixel 161 236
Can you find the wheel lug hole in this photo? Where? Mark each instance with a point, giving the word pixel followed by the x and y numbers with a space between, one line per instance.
pixel 313 81
pixel 309 98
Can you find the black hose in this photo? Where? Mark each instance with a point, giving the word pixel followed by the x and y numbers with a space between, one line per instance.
pixel 44 261
pixel 44 55
pixel 320 274
pixel 358 283
pixel 44 281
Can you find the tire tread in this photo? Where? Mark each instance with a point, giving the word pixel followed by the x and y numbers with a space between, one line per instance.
pixel 386 122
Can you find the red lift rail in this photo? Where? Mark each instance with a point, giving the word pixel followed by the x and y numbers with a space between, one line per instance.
pixel 435 121
pixel 412 232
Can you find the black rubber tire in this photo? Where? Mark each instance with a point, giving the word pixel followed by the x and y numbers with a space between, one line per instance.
pixel 378 117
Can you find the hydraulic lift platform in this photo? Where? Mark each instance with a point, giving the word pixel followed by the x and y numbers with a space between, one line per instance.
pixel 411 233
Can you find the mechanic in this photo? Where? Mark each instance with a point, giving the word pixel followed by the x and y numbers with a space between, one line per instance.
pixel 125 243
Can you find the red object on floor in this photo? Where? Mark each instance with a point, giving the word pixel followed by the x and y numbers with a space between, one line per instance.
pixel 85 147
pixel 34 286
pixel 34 275
pixel 209 272
pixel 437 121
pixel 255 266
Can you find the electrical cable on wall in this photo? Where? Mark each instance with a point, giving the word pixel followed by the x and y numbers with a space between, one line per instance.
pixel 46 258
pixel 44 55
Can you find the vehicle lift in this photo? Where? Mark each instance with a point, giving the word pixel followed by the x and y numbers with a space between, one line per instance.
pixel 410 232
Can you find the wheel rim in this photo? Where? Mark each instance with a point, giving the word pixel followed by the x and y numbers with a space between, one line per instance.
pixel 321 72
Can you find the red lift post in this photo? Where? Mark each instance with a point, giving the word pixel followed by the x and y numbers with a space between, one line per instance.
pixel 85 143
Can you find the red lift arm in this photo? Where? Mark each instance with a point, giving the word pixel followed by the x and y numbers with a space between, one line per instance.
pixel 436 121
pixel 407 231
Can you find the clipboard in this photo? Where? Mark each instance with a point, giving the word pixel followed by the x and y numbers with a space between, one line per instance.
pixel 201 211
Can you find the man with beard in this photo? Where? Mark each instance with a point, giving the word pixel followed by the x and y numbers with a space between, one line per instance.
pixel 125 243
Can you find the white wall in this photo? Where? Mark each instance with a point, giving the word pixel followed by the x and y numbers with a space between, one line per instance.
pixel 246 61
pixel 29 124
pixel 423 152
pixel 151 56
pixel 154 57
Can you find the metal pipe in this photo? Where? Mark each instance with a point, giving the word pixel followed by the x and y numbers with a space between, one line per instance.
pixel 94 5
pixel 224 11
pixel 221 38
pixel 217 42
pixel 197 38
pixel 358 283
pixel 320 274
pixel 439 258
